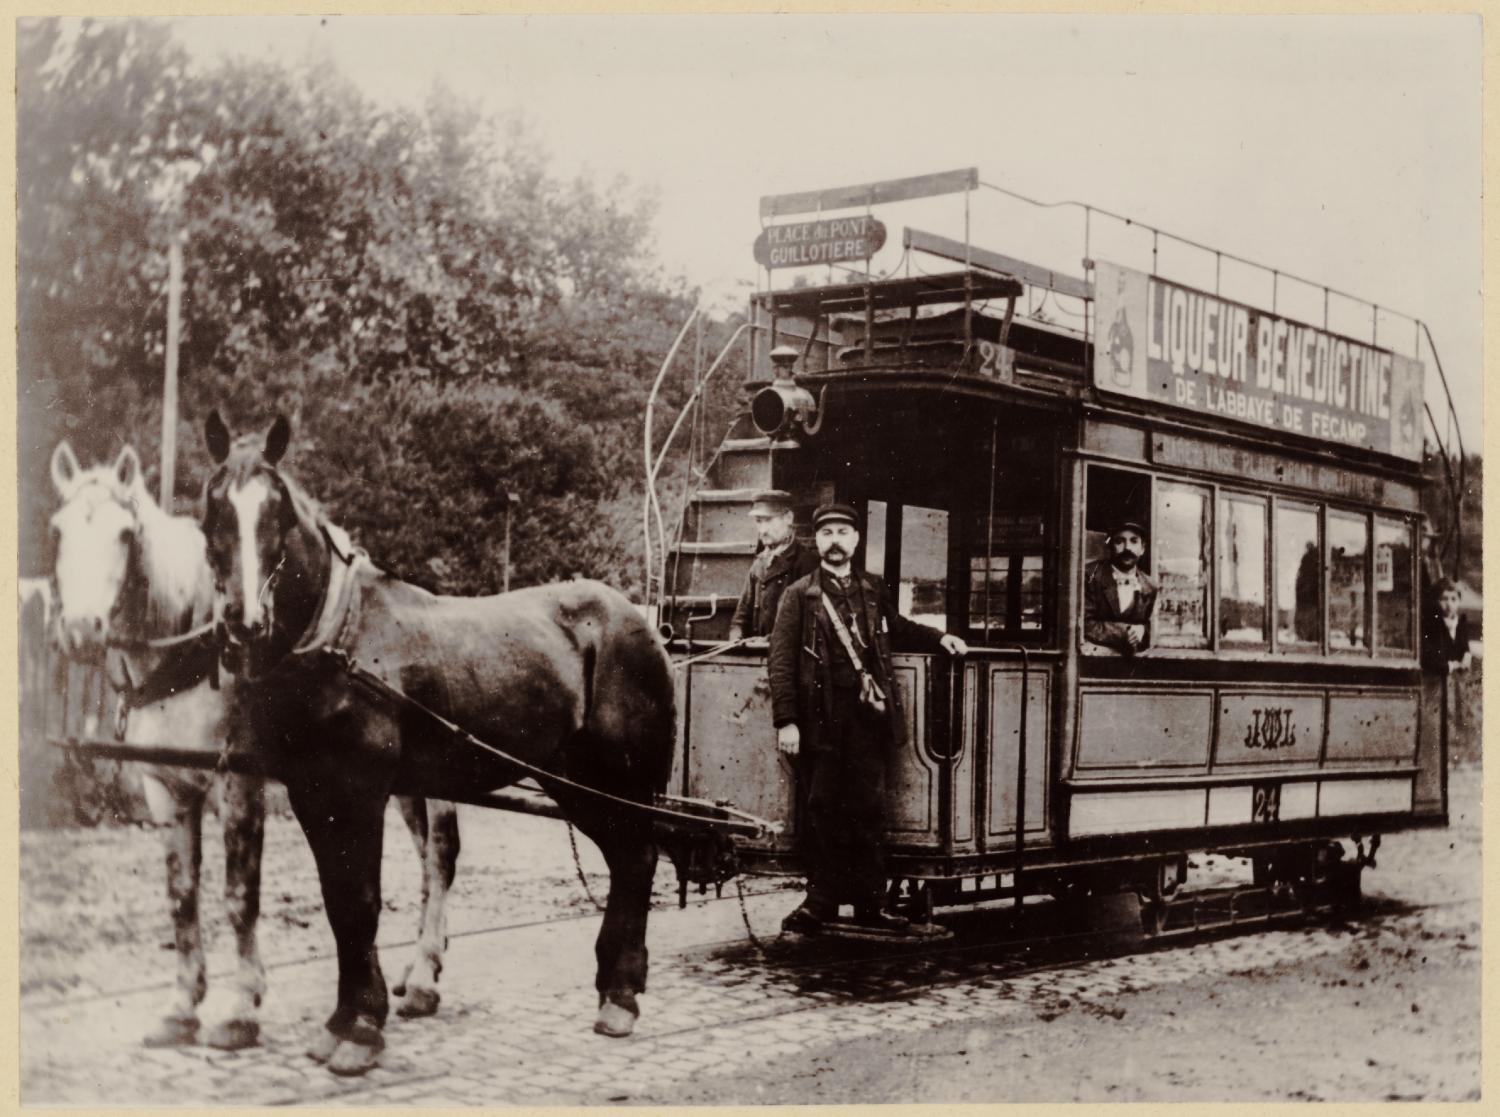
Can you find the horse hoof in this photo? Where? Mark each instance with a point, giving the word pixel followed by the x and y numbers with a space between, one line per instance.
pixel 350 1058
pixel 173 1031
pixel 234 1035
pixel 322 1048
pixel 419 1001
pixel 614 1021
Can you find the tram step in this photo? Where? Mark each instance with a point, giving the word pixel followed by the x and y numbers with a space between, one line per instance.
pixel 705 568
pixel 736 547
pixel 725 496
pixel 743 463
pixel 720 516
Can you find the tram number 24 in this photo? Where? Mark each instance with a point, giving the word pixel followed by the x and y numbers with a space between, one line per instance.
pixel 1265 804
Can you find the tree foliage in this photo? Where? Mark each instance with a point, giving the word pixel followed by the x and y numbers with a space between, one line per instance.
pixel 445 319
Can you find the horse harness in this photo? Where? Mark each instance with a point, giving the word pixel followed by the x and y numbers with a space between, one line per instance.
pixel 327 639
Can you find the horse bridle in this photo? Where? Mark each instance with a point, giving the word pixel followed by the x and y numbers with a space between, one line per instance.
pixel 265 596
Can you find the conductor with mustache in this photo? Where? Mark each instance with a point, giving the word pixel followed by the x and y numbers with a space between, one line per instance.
pixel 836 705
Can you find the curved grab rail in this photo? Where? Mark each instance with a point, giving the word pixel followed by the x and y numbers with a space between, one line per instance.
pixel 652 503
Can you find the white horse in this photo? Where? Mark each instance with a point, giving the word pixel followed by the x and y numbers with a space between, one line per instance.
pixel 131 579
pixel 135 589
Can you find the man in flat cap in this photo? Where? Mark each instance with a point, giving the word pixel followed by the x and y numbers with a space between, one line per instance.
pixel 1118 597
pixel 835 702
pixel 782 559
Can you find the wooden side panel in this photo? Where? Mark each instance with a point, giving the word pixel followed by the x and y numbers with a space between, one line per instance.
pixel 1338 797
pixel 732 746
pixel 1377 729
pixel 1122 732
pixel 911 774
pixel 1131 812
pixel 1264 728
pixel 1005 741
pixel 965 771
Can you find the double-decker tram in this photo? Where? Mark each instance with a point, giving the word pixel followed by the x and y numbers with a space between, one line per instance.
pixel 992 418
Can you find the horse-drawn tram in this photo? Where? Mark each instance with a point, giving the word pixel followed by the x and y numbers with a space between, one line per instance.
pixel 992 420
pixel 1177 524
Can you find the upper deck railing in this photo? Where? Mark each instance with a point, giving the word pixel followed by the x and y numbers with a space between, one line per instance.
pixel 1052 248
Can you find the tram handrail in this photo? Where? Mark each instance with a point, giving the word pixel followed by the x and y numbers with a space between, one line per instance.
pixel 1218 253
pixel 651 501
pixel 1456 485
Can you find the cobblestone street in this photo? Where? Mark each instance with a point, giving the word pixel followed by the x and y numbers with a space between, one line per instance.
pixel 514 1026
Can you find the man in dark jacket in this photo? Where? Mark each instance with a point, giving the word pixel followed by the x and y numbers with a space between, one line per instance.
pixel 826 703
pixel 1118 597
pixel 783 558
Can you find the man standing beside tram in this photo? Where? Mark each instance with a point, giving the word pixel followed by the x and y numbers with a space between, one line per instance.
pixel 834 698
pixel 1118 596
pixel 783 559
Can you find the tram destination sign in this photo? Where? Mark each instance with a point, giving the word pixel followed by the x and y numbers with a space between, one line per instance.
pixel 828 240
pixel 1158 340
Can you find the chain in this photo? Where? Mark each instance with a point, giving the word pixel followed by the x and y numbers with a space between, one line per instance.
pixel 755 941
pixel 577 864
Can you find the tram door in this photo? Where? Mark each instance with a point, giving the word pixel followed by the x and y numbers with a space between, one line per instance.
pixel 908 548
pixel 961 554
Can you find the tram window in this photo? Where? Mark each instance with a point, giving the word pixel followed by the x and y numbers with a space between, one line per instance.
pixel 1242 569
pixel 875 519
pixel 1299 616
pixel 989 593
pixel 1180 546
pixel 1348 544
pixel 1033 592
pixel 922 593
pixel 990 598
pixel 1393 585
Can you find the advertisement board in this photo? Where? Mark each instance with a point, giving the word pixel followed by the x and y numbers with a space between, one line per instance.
pixel 1158 340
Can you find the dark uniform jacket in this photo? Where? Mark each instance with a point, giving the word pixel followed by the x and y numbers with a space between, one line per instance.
pixel 755 615
pixel 1439 649
pixel 1103 622
pixel 803 640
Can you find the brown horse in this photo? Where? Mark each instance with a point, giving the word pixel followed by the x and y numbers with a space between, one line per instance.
pixel 568 678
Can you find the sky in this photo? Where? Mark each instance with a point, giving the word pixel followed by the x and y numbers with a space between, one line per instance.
pixel 1346 150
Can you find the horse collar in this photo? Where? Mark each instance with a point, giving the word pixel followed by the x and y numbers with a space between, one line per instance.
pixel 336 606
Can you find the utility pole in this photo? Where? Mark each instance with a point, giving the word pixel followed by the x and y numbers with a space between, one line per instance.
pixel 511 500
pixel 169 389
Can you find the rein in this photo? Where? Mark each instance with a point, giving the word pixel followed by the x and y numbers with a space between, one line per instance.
pixel 160 643
pixel 548 779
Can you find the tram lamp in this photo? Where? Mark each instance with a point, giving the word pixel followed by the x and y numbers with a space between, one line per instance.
pixel 785 410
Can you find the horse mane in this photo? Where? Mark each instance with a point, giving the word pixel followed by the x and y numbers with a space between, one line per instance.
pixel 172 566
pixel 309 509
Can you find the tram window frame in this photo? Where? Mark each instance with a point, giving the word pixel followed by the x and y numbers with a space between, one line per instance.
pixel 1317 646
pixel 884 558
pixel 1263 501
pixel 1332 513
pixel 1274 503
pixel 1009 544
pixel 1408 529
pixel 1207 558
